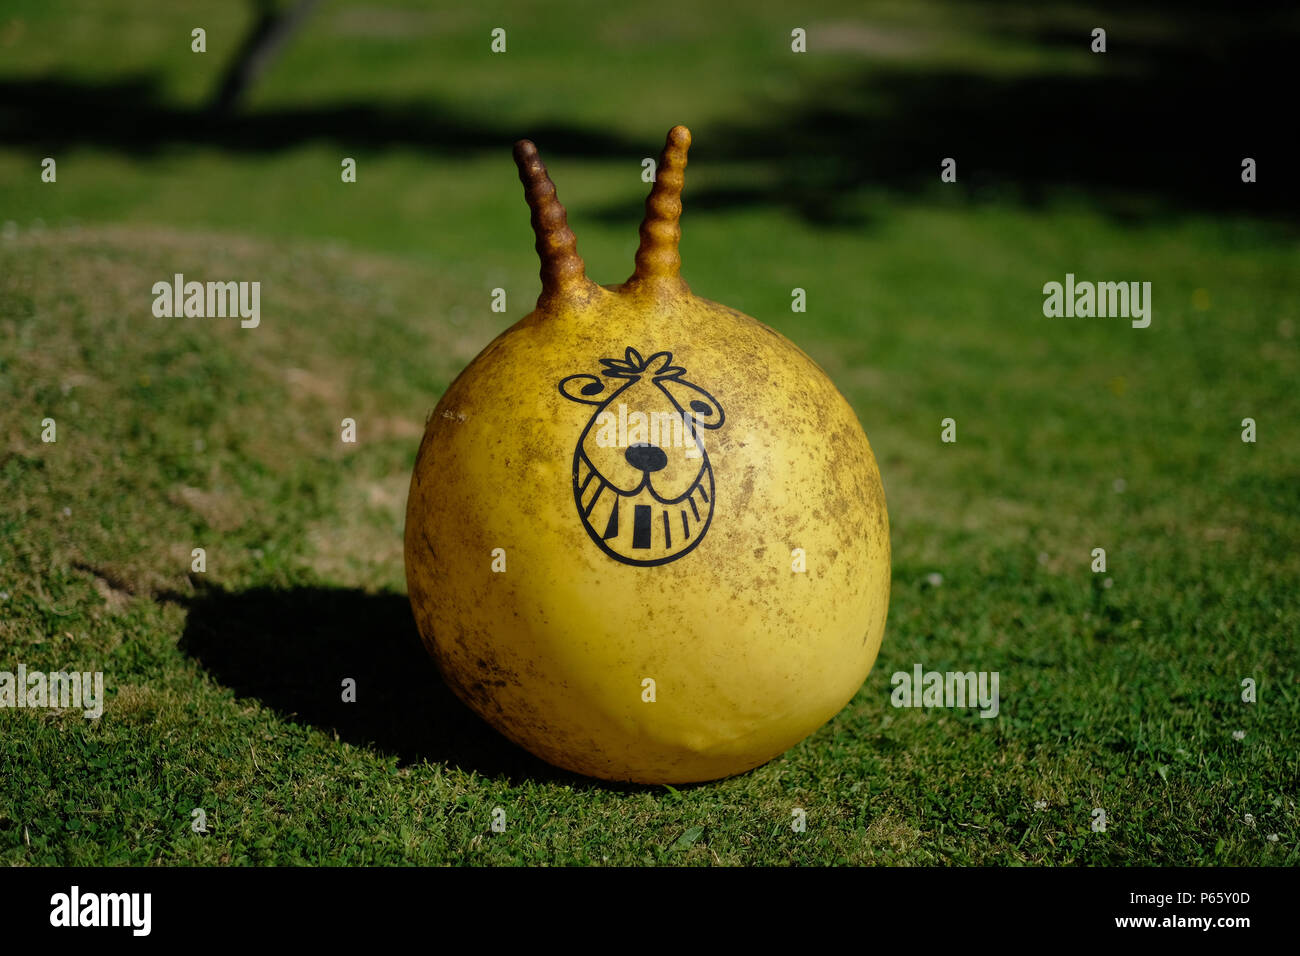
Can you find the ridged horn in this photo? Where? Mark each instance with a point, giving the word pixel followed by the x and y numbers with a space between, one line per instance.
pixel 563 274
pixel 657 258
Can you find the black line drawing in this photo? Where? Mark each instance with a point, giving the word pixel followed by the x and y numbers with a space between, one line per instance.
pixel 641 456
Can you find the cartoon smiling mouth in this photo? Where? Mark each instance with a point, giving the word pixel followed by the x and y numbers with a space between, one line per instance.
pixel 643 527
pixel 645 493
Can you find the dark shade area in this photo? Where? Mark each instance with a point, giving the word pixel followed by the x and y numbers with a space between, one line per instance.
pixel 131 115
pixel 1160 127
pixel 292 649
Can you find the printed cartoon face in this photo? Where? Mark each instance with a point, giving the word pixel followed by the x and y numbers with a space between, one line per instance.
pixel 641 475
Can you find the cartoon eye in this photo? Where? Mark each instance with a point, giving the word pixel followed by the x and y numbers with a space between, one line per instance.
pixel 582 388
pixel 704 408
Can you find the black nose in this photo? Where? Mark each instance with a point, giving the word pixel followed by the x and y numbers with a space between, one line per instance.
pixel 646 457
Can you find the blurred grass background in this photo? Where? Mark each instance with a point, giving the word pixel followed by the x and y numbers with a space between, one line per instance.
pixel 818 171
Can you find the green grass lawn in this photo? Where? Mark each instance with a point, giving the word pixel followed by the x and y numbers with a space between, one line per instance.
pixel 1119 690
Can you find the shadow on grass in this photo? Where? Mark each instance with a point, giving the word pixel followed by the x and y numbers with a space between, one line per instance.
pixel 1158 125
pixel 131 114
pixel 292 649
